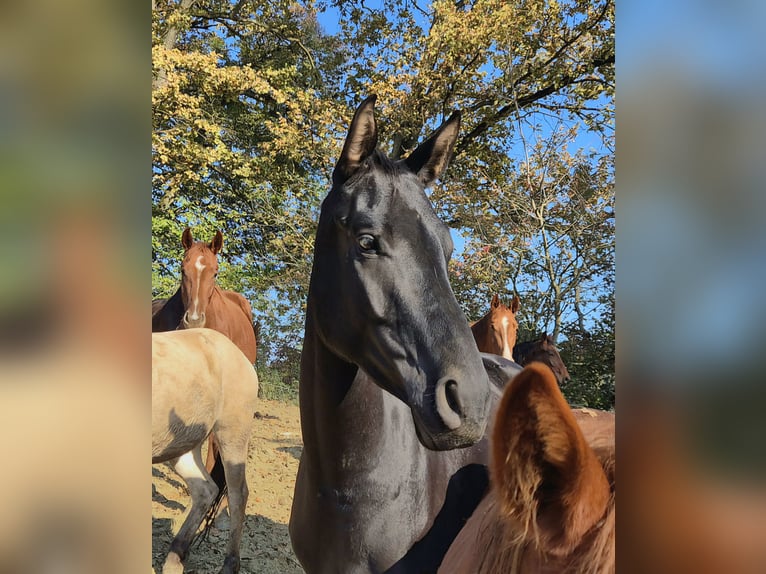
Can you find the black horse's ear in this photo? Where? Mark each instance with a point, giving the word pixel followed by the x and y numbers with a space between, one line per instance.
pixel 430 159
pixel 360 142
pixel 186 239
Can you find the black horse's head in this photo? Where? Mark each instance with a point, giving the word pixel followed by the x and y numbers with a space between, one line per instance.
pixel 382 298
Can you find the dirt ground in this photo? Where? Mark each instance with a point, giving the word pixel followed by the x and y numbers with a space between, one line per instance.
pixel 275 449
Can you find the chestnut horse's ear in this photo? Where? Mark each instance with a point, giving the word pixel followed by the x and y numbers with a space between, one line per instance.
pixel 430 159
pixel 544 472
pixel 544 337
pixel 360 142
pixel 186 239
pixel 495 301
pixel 217 244
pixel 515 304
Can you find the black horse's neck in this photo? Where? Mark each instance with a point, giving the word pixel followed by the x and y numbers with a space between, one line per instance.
pixel 361 457
pixel 329 417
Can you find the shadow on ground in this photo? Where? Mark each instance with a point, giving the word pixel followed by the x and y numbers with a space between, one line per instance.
pixel 295 451
pixel 265 548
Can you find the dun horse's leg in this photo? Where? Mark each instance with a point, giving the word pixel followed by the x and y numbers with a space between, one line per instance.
pixel 203 491
pixel 238 492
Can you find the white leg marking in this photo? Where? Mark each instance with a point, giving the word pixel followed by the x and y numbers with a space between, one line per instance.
pixel 187 467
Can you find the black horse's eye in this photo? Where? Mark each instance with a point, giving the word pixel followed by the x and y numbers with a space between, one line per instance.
pixel 366 242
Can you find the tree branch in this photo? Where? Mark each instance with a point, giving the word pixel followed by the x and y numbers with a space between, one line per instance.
pixel 522 102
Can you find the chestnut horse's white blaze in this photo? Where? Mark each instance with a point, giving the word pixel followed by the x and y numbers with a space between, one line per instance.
pixel 199 265
pixel 507 347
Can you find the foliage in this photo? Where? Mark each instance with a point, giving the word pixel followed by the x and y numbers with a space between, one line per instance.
pixel 250 101
pixel 242 140
pixel 275 386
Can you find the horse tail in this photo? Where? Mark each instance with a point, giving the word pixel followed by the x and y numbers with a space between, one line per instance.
pixel 219 477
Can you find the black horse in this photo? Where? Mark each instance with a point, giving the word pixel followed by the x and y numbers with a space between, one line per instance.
pixel 544 350
pixel 391 380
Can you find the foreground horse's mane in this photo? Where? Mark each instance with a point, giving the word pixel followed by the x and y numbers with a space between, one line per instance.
pixel 551 507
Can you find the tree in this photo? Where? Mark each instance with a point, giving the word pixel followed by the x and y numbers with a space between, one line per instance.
pixel 250 104
pixel 242 139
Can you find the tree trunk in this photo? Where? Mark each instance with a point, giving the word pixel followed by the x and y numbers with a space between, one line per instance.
pixel 169 42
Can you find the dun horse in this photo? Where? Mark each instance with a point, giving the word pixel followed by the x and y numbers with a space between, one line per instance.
pixel 199 302
pixel 391 379
pixel 551 504
pixel 202 385
pixel 496 332
pixel 542 350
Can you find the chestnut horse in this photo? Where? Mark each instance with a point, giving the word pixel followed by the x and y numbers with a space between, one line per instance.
pixel 203 385
pixel 542 350
pixel 551 504
pixel 496 331
pixel 393 392
pixel 199 302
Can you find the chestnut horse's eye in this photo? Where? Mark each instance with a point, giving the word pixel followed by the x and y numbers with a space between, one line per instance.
pixel 367 243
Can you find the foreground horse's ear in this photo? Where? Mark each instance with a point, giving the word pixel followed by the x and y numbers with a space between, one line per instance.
pixel 515 304
pixel 360 142
pixel 545 473
pixel 186 238
pixel 495 301
pixel 430 159
pixel 217 244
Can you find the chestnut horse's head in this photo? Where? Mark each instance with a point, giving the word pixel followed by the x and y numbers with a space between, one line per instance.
pixel 496 332
pixel 199 270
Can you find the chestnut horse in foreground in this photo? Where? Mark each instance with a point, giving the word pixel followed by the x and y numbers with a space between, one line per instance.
pixel 496 331
pixel 203 385
pixel 551 504
pixel 199 302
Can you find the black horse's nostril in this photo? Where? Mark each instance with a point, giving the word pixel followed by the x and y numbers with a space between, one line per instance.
pixel 448 404
pixel 453 399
